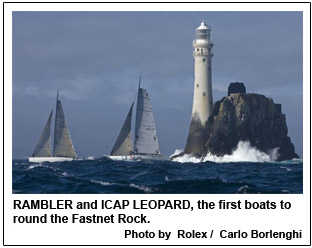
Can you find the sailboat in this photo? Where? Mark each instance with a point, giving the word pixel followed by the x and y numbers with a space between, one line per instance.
pixel 63 149
pixel 146 146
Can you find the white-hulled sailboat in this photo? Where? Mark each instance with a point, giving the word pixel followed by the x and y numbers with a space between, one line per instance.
pixel 63 149
pixel 146 146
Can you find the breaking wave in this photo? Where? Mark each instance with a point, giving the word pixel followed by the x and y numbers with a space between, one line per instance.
pixel 141 187
pixel 244 152
pixel 102 183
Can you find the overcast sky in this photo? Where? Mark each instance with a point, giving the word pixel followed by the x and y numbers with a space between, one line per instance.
pixel 95 60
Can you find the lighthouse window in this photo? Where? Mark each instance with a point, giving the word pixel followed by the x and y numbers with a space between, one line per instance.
pixel 197 85
pixel 204 93
pixel 204 59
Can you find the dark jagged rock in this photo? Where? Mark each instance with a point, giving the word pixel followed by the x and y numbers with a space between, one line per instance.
pixel 248 117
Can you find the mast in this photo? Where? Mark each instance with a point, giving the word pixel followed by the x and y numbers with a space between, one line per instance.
pixel 63 146
pixel 123 145
pixel 43 147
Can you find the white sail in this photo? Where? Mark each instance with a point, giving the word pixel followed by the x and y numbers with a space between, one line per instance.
pixel 123 145
pixel 43 147
pixel 146 141
pixel 63 146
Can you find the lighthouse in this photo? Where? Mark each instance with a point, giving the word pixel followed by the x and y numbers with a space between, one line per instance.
pixel 202 100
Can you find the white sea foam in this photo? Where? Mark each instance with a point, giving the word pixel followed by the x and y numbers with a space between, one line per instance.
pixel 186 158
pixel 286 168
pixel 102 183
pixel 65 174
pixel 243 190
pixel 244 152
pixel 30 167
pixel 143 188
pixel 286 191
pixel 176 152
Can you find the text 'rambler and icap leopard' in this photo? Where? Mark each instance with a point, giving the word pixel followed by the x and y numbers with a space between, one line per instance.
pixel 102 204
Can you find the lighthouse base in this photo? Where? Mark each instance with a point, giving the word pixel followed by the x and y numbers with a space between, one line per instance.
pixel 197 138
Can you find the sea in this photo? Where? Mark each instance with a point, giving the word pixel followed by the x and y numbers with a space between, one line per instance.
pixel 105 176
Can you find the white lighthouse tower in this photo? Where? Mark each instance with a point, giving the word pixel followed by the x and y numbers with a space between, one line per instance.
pixel 202 101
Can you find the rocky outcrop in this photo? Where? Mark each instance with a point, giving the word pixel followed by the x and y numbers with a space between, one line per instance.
pixel 248 117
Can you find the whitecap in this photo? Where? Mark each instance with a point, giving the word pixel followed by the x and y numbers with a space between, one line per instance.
pixel 65 174
pixel 285 191
pixel 243 190
pixel 143 188
pixel 102 183
pixel 34 166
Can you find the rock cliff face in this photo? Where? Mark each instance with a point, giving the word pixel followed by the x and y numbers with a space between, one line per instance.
pixel 247 117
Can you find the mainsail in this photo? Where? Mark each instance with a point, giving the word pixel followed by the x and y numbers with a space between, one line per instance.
pixel 123 145
pixel 146 141
pixel 63 146
pixel 43 148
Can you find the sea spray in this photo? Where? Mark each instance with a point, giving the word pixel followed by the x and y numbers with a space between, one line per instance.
pixel 244 152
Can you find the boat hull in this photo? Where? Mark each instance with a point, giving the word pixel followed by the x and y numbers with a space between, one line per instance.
pixel 48 159
pixel 138 157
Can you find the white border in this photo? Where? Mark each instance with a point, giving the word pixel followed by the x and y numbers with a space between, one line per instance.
pixel 297 218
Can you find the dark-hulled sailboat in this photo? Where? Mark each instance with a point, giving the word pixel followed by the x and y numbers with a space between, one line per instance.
pixel 63 149
pixel 146 146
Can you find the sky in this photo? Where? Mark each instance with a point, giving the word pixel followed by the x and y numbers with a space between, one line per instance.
pixel 95 60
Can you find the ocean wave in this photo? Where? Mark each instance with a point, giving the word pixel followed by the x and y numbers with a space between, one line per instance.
pixel 293 161
pixel 143 188
pixel 102 183
pixel 140 174
pixel 42 165
pixel 285 191
pixel 187 158
pixel 286 168
pixel 90 158
pixel 176 152
pixel 32 166
pixel 243 190
pixel 244 152
pixel 158 177
pixel 65 174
